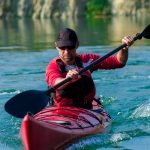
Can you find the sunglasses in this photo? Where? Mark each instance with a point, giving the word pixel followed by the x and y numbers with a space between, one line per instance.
pixel 67 47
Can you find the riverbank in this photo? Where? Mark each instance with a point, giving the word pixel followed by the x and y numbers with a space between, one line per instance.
pixel 44 9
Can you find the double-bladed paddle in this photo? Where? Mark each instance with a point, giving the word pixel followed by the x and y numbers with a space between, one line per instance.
pixel 34 100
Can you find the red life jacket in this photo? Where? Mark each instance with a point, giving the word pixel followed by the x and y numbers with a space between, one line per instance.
pixel 79 90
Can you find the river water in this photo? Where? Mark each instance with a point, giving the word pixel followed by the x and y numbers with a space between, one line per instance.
pixel 27 46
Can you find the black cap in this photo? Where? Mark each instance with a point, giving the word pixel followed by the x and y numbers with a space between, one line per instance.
pixel 66 37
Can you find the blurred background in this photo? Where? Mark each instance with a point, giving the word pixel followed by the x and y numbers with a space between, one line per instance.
pixel 38 21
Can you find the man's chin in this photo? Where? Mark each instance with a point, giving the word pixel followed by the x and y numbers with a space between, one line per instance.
pixel 68 59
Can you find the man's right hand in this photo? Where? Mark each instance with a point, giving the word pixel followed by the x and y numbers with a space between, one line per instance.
pixel 73 74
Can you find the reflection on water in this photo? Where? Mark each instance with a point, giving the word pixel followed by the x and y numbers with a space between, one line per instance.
pixel 40 34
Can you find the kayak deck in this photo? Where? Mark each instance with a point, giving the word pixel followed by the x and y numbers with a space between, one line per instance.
pixel 54 128
pixel 68 117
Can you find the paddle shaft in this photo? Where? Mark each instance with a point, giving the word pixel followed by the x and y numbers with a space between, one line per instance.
pixel 138 36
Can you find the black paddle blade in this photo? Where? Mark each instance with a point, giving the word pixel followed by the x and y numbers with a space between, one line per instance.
pixel 146 32
pixel 31 101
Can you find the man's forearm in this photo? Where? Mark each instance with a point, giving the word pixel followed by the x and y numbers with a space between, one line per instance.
pixel 122 56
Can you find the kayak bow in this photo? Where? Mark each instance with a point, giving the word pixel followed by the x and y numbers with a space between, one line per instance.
pixel 55 128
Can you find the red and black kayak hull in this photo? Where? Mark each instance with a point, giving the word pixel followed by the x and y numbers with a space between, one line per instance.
pixel 54 128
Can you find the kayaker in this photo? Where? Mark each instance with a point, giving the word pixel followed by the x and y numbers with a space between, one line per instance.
pixel 80 91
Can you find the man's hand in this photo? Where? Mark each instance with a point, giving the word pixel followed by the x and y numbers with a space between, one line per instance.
pixel 128 40
pixel 74 74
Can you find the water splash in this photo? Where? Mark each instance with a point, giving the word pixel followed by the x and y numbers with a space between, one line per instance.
pixel 90 142
pixel 107 100
pixel 99 141
pixel 106 141
pixel 142 111
pixel 119 137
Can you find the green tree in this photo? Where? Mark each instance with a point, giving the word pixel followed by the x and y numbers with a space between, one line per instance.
pixel 97 8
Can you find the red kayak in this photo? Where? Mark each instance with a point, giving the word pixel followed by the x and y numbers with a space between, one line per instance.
pixel 54 128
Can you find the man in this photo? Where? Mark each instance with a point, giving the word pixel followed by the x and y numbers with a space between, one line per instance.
pixel 80 91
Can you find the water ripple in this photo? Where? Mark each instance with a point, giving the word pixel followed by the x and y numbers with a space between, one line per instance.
pixel 12 47
pixel 105 140
pixel 10 91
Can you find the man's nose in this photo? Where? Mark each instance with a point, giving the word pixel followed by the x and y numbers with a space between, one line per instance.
pixel 66 50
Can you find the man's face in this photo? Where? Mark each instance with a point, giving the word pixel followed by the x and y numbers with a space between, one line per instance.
pixel 67 54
